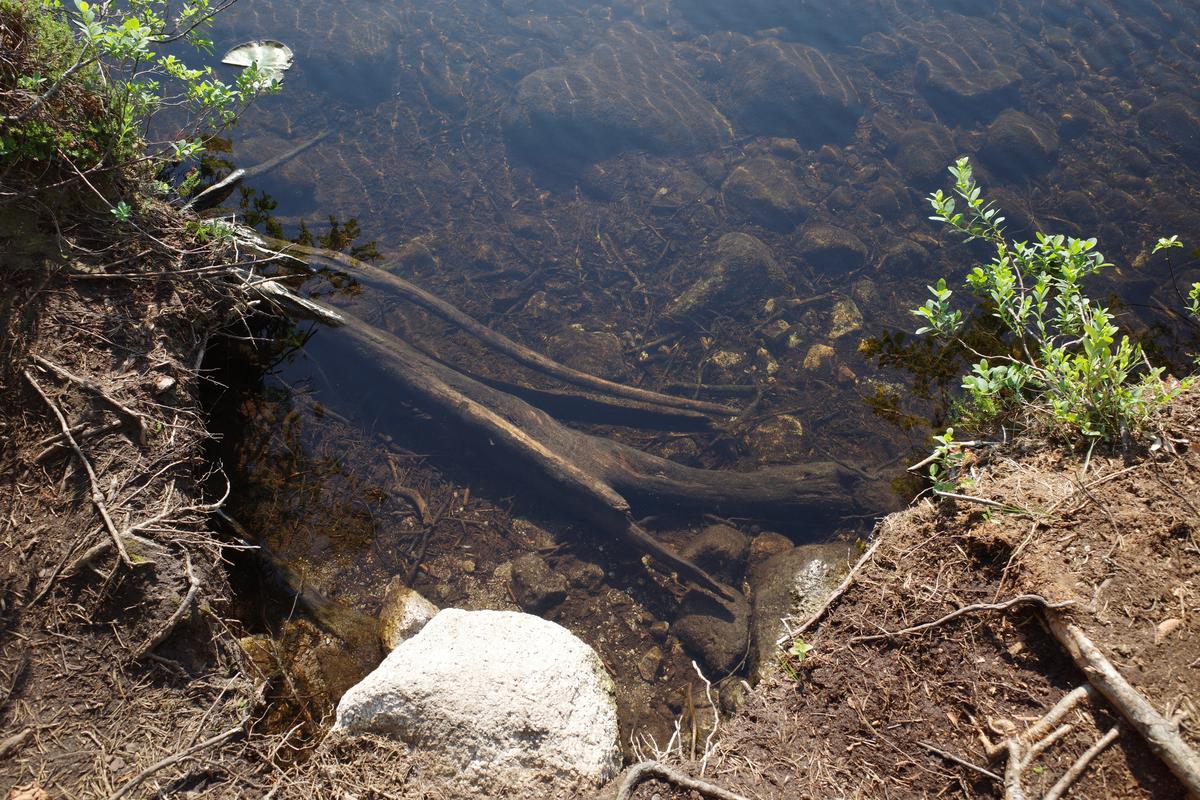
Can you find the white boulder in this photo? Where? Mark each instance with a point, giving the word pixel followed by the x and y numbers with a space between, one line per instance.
pixel 501 698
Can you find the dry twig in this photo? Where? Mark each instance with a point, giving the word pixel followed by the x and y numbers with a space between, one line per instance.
pixel 212 741
pixel 184 606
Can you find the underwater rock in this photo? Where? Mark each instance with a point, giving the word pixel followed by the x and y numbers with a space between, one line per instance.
pixel 819 357
pixel 1173 123
pixel 535 586
pixel 922 153
pixel 792 90
pixel 828 248
pixel 844 318
pixel 793 583
pixel 904 257
pixel 628 92
pixel 720 550
pixel 959 72
pixel 780 440
pixel 766 190
pixel 595 352
pixel 713 629
pixel 1017 145
pixel 738 276
pixel 404 613
pixel 767 544
pixel 502 698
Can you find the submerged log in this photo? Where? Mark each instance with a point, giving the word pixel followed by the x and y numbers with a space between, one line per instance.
pixel 396 286
pixel 589 475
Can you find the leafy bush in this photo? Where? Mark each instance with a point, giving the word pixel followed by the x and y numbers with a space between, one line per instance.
pixel 1064 367
pixel 83 85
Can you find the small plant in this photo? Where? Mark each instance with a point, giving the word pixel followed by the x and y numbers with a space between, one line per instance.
pixel 92 79
pixel 1062 366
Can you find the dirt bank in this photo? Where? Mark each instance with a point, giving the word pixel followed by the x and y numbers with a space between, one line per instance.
pixel 116 654
pixel 875 711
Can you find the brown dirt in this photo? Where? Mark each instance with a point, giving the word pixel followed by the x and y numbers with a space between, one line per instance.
pixel 1117 536
pixel 106 668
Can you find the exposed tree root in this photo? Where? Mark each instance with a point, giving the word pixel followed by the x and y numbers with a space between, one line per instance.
pixel 393 285
pixel 589 475
pixel 1161 734
pixel 653 769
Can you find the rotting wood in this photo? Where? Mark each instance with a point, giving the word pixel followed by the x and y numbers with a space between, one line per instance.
pixel 394 285
pixel 590 475
pixel 1161 734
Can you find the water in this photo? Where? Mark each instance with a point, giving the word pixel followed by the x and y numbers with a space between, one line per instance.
pixel 545 164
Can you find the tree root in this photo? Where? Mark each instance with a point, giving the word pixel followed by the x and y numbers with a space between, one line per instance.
pixel 589 475
pixel 97 496
pixel 1161 734
pixel 653 769
pixel 184 607
pixel 393 285
pixel 974 607
pixel 1023 749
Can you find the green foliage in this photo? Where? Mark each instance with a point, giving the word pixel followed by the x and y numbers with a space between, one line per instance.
pixel 94 76
pixel 1063 366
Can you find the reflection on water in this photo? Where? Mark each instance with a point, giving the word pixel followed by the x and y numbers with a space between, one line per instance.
pixel 567 171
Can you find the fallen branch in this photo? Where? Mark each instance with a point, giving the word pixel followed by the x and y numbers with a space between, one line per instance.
pixel 974 607
pixel 1070 776
pixel 962 762
pixel 590 475
pixel 220 738
pixel 96 495
pixel 653 769
pixel 1161 734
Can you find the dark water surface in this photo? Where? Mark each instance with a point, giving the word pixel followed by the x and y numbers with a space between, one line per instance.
pixel 565 171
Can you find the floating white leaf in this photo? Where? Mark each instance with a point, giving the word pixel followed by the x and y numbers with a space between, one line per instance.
pixel 271 57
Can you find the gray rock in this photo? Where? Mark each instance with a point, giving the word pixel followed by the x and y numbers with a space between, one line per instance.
pixel 968 70
pixel 716 631
pixel 738 276
pixel 765 189
pixel 921 153
pixel 1173 124
pixel 536 587
pixel 767 544
pixel 904 257
pixel 720 550
pixel 1018 145
pixel 585 575
pixel 404 613
pixel 628 92
pixel 793 583
pixel 821 22
pixel 844 318
pixel 594 352
pixel 785 89
pixel 501 698
pixel 831 249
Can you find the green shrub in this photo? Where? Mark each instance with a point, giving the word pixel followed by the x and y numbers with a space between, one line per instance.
pixel 82 84
pixel 1063 369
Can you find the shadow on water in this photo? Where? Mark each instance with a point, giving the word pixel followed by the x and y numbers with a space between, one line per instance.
pixel 567 172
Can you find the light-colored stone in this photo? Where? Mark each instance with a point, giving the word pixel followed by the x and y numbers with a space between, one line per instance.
pixel 818 356
pixel 404 613
pixel 500 697
pixel 845 318
pixel 793 583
